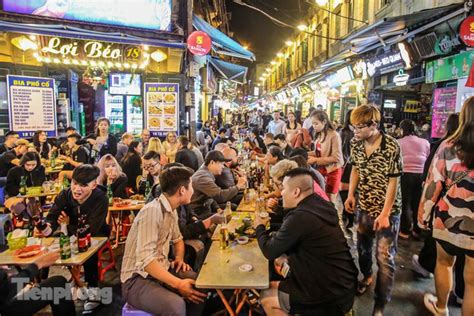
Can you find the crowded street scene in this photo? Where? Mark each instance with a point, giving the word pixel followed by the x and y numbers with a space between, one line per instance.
pixel 237 157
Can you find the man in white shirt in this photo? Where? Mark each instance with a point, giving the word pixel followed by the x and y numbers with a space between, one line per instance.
pixel 150 282
pixel 277 126
pixel 308 123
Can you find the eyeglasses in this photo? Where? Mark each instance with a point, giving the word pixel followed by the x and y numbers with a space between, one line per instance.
pixel 359 127
pixel 150 166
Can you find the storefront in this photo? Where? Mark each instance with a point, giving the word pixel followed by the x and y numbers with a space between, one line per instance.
pixel 98 69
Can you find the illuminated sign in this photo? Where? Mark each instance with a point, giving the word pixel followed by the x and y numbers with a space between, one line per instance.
pixel 401 79
pixel 146 14
pixel 466 31
pixel 445 44
pixel 385 62
pixel 199 43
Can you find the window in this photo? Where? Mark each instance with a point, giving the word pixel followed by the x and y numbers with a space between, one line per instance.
pixel 350 13
pixel 337 23
pixel 365 16
pixel 384 3
pixel 319 43
pixel 305 53
pixel 288 67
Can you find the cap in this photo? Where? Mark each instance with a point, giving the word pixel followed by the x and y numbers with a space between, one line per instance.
pixel 22 142
pixel 215 155
pixel 9 133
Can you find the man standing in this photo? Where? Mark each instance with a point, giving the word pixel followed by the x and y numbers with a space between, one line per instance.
pixel 150 282
pixel 186 156
pixel 307 123
pixel 320 274
pixel 205 187
pixel 277 126
pixel 145 139
pixel 377 167
pixel 10 138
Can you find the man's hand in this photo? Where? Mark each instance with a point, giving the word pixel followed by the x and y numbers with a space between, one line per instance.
pixel 272 203
pixel 46 260
pixel 63 218
pixel 260 221
pixel 350 204
pixel 92 141
pixel 186 289
pixel 381 222
pixel 218 218
pixel 179 265
pixel 241 183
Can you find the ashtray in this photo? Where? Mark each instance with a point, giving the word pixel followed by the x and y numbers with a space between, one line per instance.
pixel 242 240
pixel 246 267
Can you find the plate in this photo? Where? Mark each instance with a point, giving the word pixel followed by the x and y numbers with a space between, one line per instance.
pixel 246 267
pixel 242 240
pixel 29 251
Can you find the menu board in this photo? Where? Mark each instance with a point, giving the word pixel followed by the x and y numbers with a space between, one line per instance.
pixel 32 105
pixel 161 107
pixel 444 103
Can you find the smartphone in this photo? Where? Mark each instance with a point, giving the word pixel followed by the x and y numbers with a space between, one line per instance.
pixel 285 269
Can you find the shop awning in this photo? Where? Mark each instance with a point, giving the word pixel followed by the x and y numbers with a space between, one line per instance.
pixel 391 30
pixel 79 33
pixel 229 71
pixel 221 43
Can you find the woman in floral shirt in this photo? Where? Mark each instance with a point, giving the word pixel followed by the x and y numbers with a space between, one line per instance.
pixel 453 223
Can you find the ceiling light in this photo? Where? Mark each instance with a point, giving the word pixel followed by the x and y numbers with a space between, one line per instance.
pixel 301 27
pixel 75 62
pixel 289 43
pixel 118 65
pixel 143 66
pixel 47 60
pixel 84 63
pixel 110 64
pixel 56 60
pixel 134 66
pixel 146 47
pixel 158 56
pixel 93 63
pixel 126 65
pixel 280 55
pixel 268 69
pixel 24 43
pixel 101 63
pixel 35 55
pixel 322 2
pixel 32 37
pixel 273 63
pixel 39 58
pixel 66 61
pixel 245 47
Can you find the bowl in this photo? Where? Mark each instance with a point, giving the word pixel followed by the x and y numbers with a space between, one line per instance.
pixel 263 214
pixel 242 240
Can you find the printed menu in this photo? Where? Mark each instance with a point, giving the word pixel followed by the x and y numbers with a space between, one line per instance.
pixel 32 105
pixel 444 103
pixel 161 107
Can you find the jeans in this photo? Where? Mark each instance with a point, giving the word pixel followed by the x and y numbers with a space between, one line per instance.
pixel 386 249
pixel 412 187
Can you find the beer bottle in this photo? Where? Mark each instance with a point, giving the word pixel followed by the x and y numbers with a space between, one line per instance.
pixel 23 186
pixel 65 247
pixel 228 212
pixel 110 195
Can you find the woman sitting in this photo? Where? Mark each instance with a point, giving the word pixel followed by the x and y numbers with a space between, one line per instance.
pixel 31 168
pixel 111 175
pixel 170 146
pixel 78 155
pixel 252 148
pixel 132 164
pixel 40 141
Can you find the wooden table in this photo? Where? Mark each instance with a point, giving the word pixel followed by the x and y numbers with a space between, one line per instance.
pixel 236 222
pixel 115 214
pixel 248 207
pixel 74 263
pixel 42 194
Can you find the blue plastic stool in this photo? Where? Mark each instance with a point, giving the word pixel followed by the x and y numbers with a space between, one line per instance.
pixel 129 310
pixel 5 220
pixel 2 195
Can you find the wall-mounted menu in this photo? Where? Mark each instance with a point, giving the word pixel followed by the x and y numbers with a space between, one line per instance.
pixel 32 105
pixel 444 103
pixel 161 107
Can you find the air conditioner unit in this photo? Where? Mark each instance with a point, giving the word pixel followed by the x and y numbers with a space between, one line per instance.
pixel 424 46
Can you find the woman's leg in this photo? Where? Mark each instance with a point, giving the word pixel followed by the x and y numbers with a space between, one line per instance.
pixel 468 302
pixel 443 276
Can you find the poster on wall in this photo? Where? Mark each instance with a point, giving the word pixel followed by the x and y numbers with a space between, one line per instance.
pixel 146 14
pixel 161 107
pixel 463 93
pixel 31 105
pixel 444 103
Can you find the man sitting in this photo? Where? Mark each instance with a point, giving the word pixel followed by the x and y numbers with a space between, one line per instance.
pixel 205 187
pixel 151 170
pixel 185 155
pixel 280 140
pixel 322 275
pixel 149 281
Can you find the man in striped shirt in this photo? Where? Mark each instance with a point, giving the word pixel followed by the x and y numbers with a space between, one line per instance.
pixel 150 282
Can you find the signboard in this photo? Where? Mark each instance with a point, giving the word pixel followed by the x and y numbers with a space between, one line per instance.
pixel 199 43
pixel 401 79
pixel 444 103
pixel 339 77
pixel 385 62
pixel 463 93
pixel 449 68
pixel 445 44
pixel 31 105
pixel 147 14
pixel 161 107
pixel 466 31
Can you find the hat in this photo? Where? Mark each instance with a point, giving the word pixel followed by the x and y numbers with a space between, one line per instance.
pixel 22 142
pixel 9 133
pixel 215 155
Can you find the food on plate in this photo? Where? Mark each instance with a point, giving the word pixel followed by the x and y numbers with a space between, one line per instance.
pixel 246 229
pixel 28 251
pixel 169 109
pixel 154 110
pixel 170 98
pixel 118 202
pixel 169 123
pixel 137 197
pixel 154 122
pixel 155 97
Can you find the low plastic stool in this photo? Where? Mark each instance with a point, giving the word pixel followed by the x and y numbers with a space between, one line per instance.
pixel 129 310
pixel 2 196
pixel 105 264
pixel 5 220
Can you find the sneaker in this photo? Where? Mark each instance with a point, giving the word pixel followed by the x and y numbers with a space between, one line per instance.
pixel 417 268
pixel 93 300
pixel 430 303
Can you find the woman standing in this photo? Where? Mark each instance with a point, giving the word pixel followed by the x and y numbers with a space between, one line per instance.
pixel 414 151
pixel 328 152
pixel 31 168
pixel 102 142
pixel 40 141
pixel 170 146
pixel 452 168
pixel 292 127
pixel 132 164
pixel 111 175
pixel 347 134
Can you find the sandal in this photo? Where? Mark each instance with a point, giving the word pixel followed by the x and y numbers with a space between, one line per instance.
pixel 363 285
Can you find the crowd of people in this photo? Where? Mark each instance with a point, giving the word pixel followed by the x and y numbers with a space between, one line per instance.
pixel 389 188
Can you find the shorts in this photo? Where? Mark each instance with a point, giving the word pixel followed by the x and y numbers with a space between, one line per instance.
pixel 454 250
pixel 333 179
pixel 284 301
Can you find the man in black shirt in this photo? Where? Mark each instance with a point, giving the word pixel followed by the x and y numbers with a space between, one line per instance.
pixel 322 275
pixel 185 155
pixel 83 198
pixel 11 158
pixel 280 140
pixel 10 139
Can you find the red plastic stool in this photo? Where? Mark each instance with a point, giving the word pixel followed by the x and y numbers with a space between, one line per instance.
pixel 105 264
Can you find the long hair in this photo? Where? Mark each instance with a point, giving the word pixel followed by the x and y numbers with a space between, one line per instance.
pixel 154 144
pixel 131 151
pixel 323 118
pixel 452 124
pixel 463 138
pixel 100 120
pixel 102 178
pixel 30 156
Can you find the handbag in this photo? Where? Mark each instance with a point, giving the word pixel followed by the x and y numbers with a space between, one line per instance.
pixel 443 193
